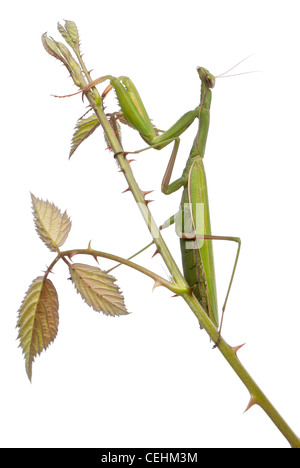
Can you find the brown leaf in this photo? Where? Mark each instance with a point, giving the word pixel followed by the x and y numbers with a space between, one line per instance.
pixel 38 319
pixel 97 289
pixel 83 129
pixel 52 226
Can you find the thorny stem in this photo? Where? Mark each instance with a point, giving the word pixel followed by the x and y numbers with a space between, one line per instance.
pixel 180 285
pixel 137 193
pixel 229 353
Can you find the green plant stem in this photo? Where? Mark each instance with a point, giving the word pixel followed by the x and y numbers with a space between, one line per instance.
pixel 229 353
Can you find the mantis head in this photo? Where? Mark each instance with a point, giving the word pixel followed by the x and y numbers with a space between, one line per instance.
pixel 206 77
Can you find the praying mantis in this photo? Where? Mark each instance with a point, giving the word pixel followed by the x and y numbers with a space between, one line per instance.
pixel 195 238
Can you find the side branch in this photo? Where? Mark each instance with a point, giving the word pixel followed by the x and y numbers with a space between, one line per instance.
pixel 158 280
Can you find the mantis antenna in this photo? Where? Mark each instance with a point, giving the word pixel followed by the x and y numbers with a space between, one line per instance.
pixel 222 75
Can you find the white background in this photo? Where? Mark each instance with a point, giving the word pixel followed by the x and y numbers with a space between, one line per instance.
pixel 151 379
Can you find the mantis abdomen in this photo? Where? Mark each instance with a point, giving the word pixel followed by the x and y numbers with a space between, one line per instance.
pixel 197 255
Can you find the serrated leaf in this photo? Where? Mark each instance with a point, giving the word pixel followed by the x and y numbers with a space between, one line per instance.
pixel 72 30
pixel 38 320
pixel 83 129
pixel 69 33
pixel 98 289
pixel 71 64
pixel 52 49
pixel 51 225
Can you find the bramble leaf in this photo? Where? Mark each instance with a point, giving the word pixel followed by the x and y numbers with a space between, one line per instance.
pixel 62 53
pixel 83 129
pixel 51 225
pixel 51 47
pixel 38 320
pixel 97 289
pixel 70 34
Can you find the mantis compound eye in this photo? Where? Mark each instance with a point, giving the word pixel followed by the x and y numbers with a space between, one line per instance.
pixel 206 77
pixel 210 79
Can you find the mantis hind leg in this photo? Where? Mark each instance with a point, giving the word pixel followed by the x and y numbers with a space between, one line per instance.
pixel 238 240
pixel 132 256
pixel 232 239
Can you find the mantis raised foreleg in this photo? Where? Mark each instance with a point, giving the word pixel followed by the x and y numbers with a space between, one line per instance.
pixel 134 114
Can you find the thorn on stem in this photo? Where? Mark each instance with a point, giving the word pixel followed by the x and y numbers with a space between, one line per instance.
pixel 147 192
pixel 148 201
pixel 251 403
pixel 90 249
pixel 127 190
pixel 155 253
pixel 47 270
pixel 70 255
pixel 156 285
pixel 236 348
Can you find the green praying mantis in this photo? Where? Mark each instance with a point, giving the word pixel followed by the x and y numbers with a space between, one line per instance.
pixel 195 237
